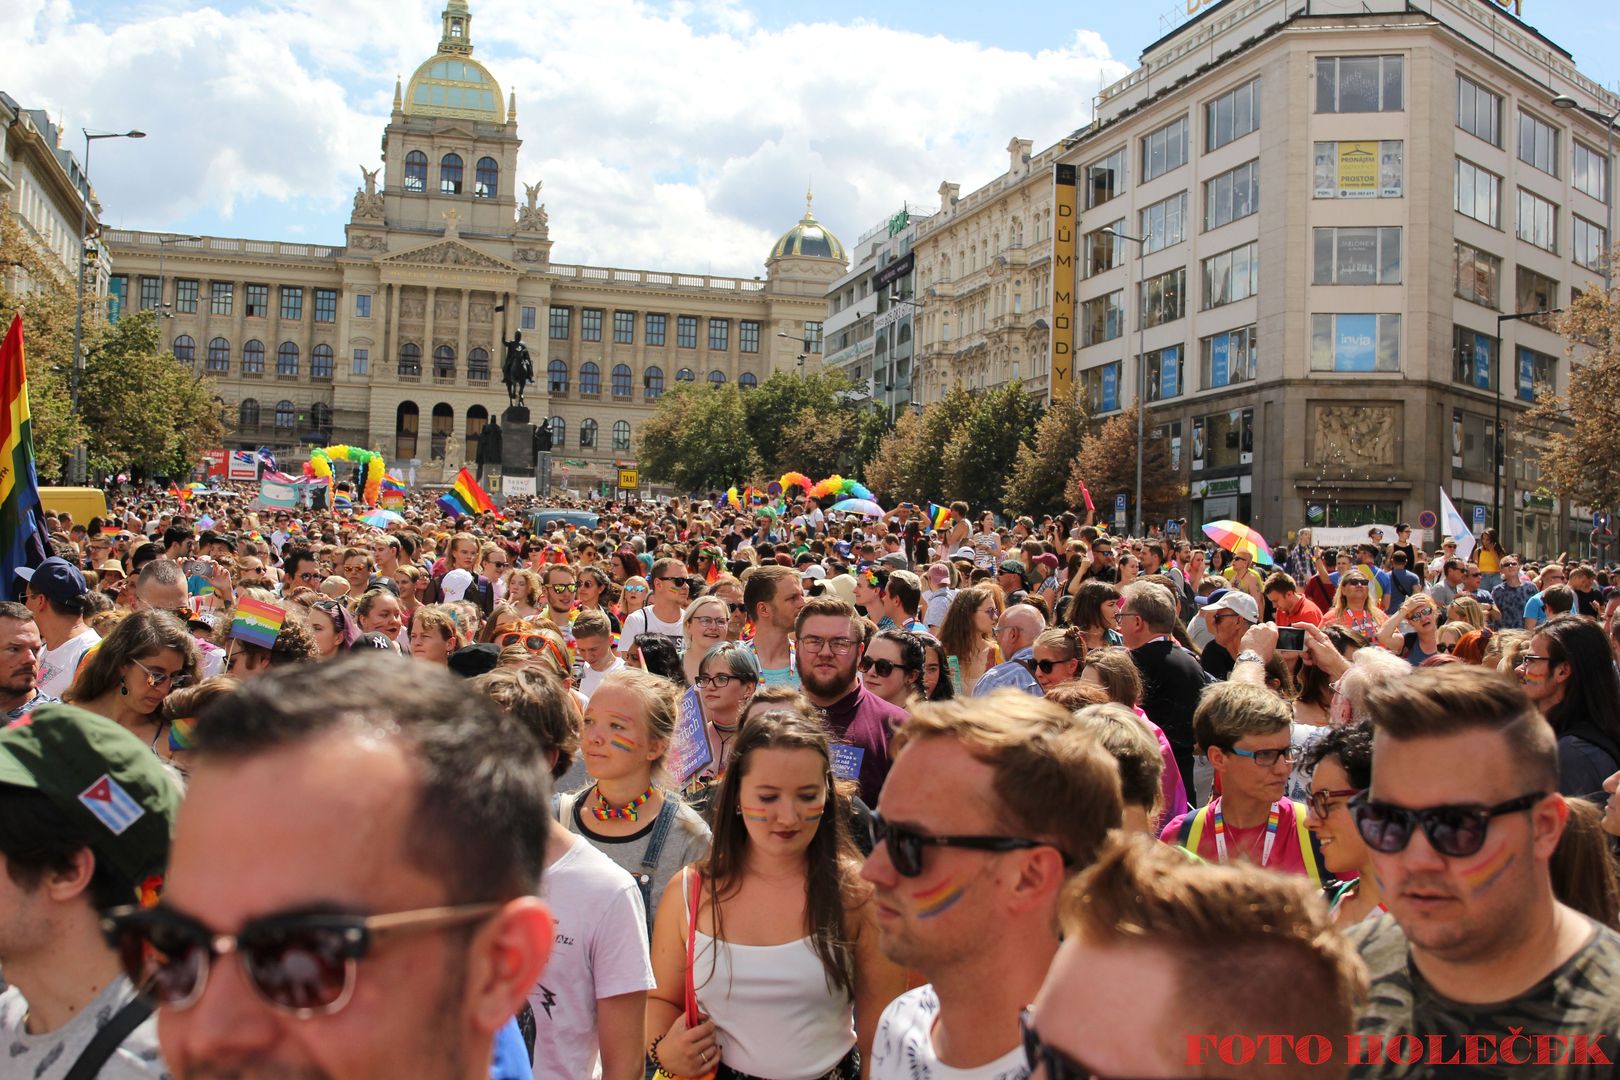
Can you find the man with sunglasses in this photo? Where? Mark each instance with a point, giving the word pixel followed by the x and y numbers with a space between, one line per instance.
pixel 1512 593
pixel 300 570
pixel 1015 632
pixel 967 886
pixel 561 593
pixel 661 614
pixel 1462 819
pixel 85 815
pixel 352 886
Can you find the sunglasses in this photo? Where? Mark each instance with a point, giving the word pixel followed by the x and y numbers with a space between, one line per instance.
pixel 737 609
pixel 884 668
pixel 1050 1062
pixel 176 680
pixel 1046 667
pixel 562 588
pixel 678 582
pixel 303 964
pixel 1322 801
pixel 635 588
pixel 906 844
pixel 1457 831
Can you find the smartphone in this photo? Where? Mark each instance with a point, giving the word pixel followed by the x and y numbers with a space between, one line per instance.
pixel 1291 639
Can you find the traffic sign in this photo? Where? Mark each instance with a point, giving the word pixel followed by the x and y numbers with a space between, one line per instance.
pixel 1119 511
pixel 1427 520
pixel 1479 516
pixel 629 480
pixel 1600 520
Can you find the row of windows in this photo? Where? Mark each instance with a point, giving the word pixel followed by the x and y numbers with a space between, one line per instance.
pixel 588 430
pixel 1224 359
pixel 652 379
pixel 1478 194
pixel 1479 112
pixel 561 320
pixel 285 416
pixel 1229 197
pixel 444 362
pixel 486 177
pixel 407 423
pixel 1475 363
pixel 1231 116
pixel 217 359
pixel 222 299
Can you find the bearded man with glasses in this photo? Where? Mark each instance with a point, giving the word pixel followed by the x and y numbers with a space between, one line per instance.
pixel 1462 819
pixel 828 654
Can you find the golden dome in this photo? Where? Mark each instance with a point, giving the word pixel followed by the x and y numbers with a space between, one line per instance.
pixel 452 83
pixel 809 239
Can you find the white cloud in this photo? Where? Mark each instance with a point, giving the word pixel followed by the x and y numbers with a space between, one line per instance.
pixel 676 137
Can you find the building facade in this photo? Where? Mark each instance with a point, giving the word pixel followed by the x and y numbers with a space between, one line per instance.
pixel 43 187
pixel 871 314
pixel 394 340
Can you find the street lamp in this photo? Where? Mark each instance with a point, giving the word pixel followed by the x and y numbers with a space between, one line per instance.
pixel 1501 443
pixel 1141 374
pixel 1564 101
pixel 78 319
pixel 163 242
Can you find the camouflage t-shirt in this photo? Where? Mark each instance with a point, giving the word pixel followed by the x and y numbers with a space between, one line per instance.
pixel 1576 1005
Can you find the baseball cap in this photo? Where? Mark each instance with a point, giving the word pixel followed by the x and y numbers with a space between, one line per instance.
pixel 895 559
pixel 939 574
pixel 111 566
pixel 102 778
pixel 1238 603
pixel 371 639
pixel 965 553
pixel 471 661
pixel 455 585
pixel 1047 559
pixel 55 579
pixel 1012 566
pixel 815 571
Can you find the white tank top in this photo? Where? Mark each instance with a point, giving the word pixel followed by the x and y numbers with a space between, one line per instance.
pixel 775 1014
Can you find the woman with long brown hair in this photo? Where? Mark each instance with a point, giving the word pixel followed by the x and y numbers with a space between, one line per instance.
pixel 970 647
pixel 127 676
pixel 785 960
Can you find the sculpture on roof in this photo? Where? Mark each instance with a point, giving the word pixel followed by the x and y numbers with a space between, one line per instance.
pixel 533 217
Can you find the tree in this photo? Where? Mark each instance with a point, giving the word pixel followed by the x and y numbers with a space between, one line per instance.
pixel 1040 481
pixel 697 439
pixel 817 443
pixel 774 404
pixel 48 303
pixel 1107 463
pixel 1580 429
pixel 979 454
pixel 891 471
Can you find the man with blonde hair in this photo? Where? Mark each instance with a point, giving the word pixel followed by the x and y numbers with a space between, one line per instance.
pixel 991 804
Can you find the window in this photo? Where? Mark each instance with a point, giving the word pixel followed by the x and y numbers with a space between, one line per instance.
pixel 416 166
pixel 652 380
pixel 1591 172
pixel 812 338
pixel 1164 223
pixel 719 335
pixel 1232 275
pixel 1232 115
pixel 287 361
pixel 1538 144
pixel 220 295
pixel 444 423
pixel 285 415
pixel 621 435
pixel 621 380
pixel 526 318
pixel 320 417
pixel 685 375
pixel 1232 195
pixel 748 336
pixel 321 362
pixel 444 362
pixel 590 324
pixel 1104 251
pixel 1591 244
pixel 557 377
pixel 1360 256
pixel 185 296
pixel 1478 194
pixel 717 377
pixel 406 418
pixel 1355 343
pixel 1100 385
pixel 1164 297
pixel 185 350
pixel 477 420
pixel 1164 149
pixel 292 302
pixel 487 180
pixel 449 182
pixel 252 355
pixel 748 380
pixel 1473 442
pixel 478 365
pixel 1535 292
pixel 410 360
pixel 258 301
pixel 362 305
pixel 1105 179
pixel 1358 84
pixel 360 362
pixel 1535 370
pixel 624 328
pixel 655 330
pixel 1102 318
pixel 559 323
pixel 219 356
pixel 686 331
pixel 587 434
pixel 590 379
pixel 152 293
pixel 1473 358
pixel 326 303
pixel 1479 112
pixel 559 432
pixel 247 414
pixel 1476 275
pixel 1223 440
pixel 1228 358
pixel 1359 170
pixel 1165 375
pixel 1538 221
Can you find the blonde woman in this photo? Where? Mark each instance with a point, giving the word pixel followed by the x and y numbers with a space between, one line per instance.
pixel 1467 612
pixel 1353 607
pixel 704 625
pixel 525 593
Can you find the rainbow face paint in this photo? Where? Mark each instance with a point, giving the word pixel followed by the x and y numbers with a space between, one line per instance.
pixel 814 815
pixel 1488 872
pixel 619 742
pixel 758 814
pixel 939 899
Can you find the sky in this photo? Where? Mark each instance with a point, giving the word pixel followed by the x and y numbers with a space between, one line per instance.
pixel 670 134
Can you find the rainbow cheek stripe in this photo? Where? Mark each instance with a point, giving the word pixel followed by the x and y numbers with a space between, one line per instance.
pixel 938 900
pixel 814 815
pixel 756 814
pixel 1486 873
pixel 619 742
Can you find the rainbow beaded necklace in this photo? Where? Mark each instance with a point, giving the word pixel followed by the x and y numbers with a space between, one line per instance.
pixel 603 811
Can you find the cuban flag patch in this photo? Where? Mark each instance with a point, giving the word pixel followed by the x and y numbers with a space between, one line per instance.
pixel 111 804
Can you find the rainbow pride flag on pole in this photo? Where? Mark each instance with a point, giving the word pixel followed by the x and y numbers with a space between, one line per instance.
pixel 938 516
pixel 466 498
pixel 393 493
pixel 257 622
pixel 22 519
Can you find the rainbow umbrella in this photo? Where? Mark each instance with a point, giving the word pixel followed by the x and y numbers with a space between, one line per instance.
pixel 381 519
pixel 1237 537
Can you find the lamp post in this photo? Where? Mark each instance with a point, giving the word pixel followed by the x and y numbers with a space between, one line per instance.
pixel 1141 376
pixel 1501 443
pixel 163 246
pixel 78 318
pixel 1564 101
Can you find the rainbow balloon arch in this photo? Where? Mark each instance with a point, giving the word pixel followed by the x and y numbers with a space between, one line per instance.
pixel 776 492
pixel 320 461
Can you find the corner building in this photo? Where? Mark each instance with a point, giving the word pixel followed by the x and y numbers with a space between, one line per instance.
pixel 393 340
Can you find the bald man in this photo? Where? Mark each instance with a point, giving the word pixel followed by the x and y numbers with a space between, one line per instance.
pixel 1016 632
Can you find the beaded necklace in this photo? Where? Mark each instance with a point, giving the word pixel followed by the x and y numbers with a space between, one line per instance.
pixel 628 812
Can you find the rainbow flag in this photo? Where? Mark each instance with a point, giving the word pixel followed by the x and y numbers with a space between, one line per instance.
pixel 22 519
pixel 466 498
pixel 257 622
pixel 938 516
pixel 183 734
pixel 393 493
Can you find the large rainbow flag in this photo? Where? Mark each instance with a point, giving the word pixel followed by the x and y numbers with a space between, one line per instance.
pixel 466 498
pixel 393 493
pixel 22 519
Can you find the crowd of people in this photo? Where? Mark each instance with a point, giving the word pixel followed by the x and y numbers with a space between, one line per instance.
pixel 688 789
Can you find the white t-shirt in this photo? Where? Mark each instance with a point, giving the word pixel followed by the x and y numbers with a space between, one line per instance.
pixel 590 677
pixel 56 666
pixel 643 621
pixel 600 951
pixel 51 1055
pixel 903 1048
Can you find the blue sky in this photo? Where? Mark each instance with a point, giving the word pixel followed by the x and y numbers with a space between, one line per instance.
pixel 669 133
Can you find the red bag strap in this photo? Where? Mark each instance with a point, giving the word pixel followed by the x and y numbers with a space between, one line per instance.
pixel 694 891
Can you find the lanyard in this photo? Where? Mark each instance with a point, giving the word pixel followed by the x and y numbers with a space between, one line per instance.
pixel 1271 833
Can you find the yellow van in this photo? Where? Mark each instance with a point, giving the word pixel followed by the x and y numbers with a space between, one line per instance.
pixel 83 503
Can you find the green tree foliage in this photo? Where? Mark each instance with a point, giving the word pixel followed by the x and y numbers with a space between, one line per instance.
pixel 698 440
pixel 48 301
pixel 774 406
pixel 978 457
pixel 1580 429
pixel 909 463
pixel 1107 463
pixel 1041 475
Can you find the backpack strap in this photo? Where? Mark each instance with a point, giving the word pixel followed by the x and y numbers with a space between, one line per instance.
pixel 655 847
pixel 1307 846
pixel 1192 829
pixel 109 1038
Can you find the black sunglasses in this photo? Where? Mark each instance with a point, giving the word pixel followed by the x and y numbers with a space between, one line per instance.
pixel 1051 1062
pixel 737 609
pixel 1457 831
pixel 303 964
pixel 884 668
pixel 906 844
pixel 677 582
pixel 1045 667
